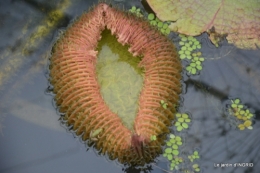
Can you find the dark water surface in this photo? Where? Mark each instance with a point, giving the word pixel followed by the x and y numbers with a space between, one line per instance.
pixel 32 139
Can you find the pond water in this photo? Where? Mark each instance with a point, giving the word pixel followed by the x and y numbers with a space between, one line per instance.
pixel 32 138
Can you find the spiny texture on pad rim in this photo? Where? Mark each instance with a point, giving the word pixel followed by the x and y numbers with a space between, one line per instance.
pixel 77 92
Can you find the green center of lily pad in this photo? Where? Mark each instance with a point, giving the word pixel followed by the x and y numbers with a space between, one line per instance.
pixel 119 77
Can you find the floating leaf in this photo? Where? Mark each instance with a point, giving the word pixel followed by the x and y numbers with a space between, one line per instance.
pixel 133 8
pixel 195 166
pixel 201 59
pixel 184 125
pixel 236 101
pixel 197 169
pixel 179 143
pixel 175 152
pixel 151 16
pixel 181 43
pixel 179 128
pixel 181 120
pixel 178 115
pixel 193 71
pixel 168 143
pixel 168 150
pixel 178 138
pixel 169 157
pixel 185 116
pixel 172 136
pixel 247 123
pixel 187 120
pixel 184 39
pixel 153 138
pixel 233 105
pixel 165 106
pixel 250 127
pixel 239 19
pixel 182 56
pixel 154 23
pixel 165 26
pixel 240 106
pixel 172 141
pixel 174 146
pixel 188 57
pixel 177 124
pixel 241 126
pixel 160 24
pixel 193 64
pixel 199 67
pixel 198 46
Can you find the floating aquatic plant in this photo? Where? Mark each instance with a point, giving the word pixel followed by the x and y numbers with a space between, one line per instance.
pixel 136 11
pixel 163 104
pixel 243 116
pixel 196 167
pixel 153 138
pixel 182 121
pixel 194 156
pixel 77 87
pixel 171 152
pixel 162 26
pixel 189 50
pixel 179 160
pixel 238 19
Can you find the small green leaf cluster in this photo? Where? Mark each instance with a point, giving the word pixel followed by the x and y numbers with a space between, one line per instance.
pixel 194 156
pixel 196 167
pixel 195 65
pixel 171 152
pixel 180 160
pixel 175 162
pixel 162 26
pixel 189 50
pixel 136 11
pixel 182 121
pixel 153 138
pixel 163 104
pixel 243 114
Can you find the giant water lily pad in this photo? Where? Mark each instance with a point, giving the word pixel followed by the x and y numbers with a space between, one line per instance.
pixel 84 85
pixel 238 19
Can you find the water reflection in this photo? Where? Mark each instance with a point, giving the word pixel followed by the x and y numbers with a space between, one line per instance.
pixel 32 139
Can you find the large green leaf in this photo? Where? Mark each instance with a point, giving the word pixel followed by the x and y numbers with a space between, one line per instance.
pixel 239 19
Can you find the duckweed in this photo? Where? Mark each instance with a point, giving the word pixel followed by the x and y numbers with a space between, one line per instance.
pixel 194 156
pixel 162 26
pixel 163 104
pixel 176 158
pixel 182 121
pixel 172 152
pixel 151 16
pixel 190 50
pixel 136 11
pixel 243 116
pixel 196 167
pixel 180 160
pixel 153 138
